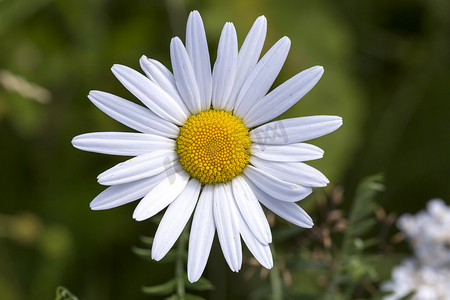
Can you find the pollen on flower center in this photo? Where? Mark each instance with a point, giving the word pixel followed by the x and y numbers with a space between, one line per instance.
pixel 213 146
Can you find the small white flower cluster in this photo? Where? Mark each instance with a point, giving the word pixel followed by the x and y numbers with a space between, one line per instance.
pixel 427 275
pixel 429 233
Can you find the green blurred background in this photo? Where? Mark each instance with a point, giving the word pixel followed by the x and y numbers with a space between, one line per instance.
pixel 386 73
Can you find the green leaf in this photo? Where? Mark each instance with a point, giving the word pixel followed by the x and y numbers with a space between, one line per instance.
pixel 64 294
pixel 202 284
pixel 162 289
pixel 361 218
pixel 370 242
pixel 363 226
pixel 351 267
pixel 172 256
pixel 408 296
pixel 142 252
pixel 383 264
pixel 147 240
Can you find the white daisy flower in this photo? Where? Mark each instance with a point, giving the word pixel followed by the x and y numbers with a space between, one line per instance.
pixel 205 144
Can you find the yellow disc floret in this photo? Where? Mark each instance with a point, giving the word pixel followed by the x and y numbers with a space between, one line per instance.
pixel 213 146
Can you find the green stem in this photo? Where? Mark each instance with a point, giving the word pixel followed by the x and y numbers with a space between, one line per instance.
pixel 275 278
pixel 179 266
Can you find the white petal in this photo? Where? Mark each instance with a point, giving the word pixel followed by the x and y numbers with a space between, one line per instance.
pixel 248 57
pixel 226 220
pixel 185 76
pixel 122 143
pixel 132 115
pixel 259 250
pixel 157 72
pixel 283 97
pixel 117 195
pixel 275 187
pixel 295 130
pixel 225 67
pixel 175 219
pixel 197 48
pixel 139 167
pixel 261 78
pixel 287 153
pixel 289 211
pixel 295 172
pixel 150 94
pixel 250 210
pixel 202 234
pixel 162 195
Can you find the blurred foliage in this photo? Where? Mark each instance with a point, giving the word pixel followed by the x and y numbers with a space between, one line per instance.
pixel 344 256
pixel 179 283
pixel 355 266
pixel 386 74
pixel 64 294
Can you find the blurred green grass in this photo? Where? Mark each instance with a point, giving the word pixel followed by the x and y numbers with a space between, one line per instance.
pixel 386 74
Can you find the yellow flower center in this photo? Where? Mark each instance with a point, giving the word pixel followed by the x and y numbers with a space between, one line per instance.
pixel 213 146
